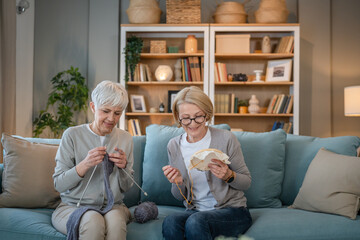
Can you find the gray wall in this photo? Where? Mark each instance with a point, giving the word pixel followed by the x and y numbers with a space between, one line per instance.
pixel 81 33
pixel 85 33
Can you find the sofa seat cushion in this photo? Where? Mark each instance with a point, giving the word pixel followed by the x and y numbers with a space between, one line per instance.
pixel 20 223
pixel 151 230
pixel 301 150
pixel 264 154
pixel 294 224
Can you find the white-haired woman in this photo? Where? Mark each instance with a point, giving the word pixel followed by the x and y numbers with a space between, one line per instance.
pixel 84 147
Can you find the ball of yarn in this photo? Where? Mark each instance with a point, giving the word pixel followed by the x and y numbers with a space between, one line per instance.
pixel 146 211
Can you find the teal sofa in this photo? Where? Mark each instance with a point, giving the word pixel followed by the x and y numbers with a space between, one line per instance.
pixel 277 161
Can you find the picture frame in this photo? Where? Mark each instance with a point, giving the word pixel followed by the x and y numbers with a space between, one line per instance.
pixel 279 70
pixel 171 98
pixel 137 103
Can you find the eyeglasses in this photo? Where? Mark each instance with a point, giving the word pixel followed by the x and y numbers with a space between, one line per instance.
pixel 187 121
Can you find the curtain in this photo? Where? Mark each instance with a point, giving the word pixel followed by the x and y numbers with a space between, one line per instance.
pixel 7 67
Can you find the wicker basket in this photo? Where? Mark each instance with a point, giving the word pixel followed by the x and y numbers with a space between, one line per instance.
pixel 230 12
pixel 272 11
pixel 271 16
pixel 183 11
pixel 143 11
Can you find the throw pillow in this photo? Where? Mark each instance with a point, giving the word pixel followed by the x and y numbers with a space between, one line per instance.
pixel 264 155
pixel 301 150
pixel 27 177
pixel 155 157
pixel 331 185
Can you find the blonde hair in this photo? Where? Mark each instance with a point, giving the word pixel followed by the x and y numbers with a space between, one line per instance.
pixel 108 93
pixel 193 95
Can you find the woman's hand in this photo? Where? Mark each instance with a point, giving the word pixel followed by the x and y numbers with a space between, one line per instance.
pixel 172 174
pixel 119 158
pixel 93 158
pixel 219 169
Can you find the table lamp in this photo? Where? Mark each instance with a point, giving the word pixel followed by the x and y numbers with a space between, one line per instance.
pixel 352 101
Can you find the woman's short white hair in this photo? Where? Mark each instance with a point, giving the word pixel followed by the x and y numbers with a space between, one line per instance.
pixel 109 93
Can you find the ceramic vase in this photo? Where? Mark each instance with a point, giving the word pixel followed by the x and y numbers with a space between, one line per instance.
pixel 266 46
pixel 191 44
pixel 253 105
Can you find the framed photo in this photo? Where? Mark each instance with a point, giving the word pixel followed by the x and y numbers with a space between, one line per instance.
pixel 279 70
pixel 137 103
pixel 171 98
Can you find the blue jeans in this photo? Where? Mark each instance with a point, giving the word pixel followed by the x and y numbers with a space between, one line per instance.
pixel 191 224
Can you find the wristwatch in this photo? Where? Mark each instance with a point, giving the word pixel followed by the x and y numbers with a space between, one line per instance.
pixel 231 177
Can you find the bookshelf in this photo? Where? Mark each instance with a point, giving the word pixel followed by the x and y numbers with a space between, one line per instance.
pixel 156 92
pixel 247 63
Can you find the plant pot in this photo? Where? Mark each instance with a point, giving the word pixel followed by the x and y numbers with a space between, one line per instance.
pixel 243 109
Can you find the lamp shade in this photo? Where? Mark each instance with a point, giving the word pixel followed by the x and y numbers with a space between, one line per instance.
pixel 352 101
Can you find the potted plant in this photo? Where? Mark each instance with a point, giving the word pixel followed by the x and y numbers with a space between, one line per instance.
pixel 69 95
pixel 243 106
pixel 132 52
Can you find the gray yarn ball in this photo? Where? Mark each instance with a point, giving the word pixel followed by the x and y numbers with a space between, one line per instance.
pixel 145 211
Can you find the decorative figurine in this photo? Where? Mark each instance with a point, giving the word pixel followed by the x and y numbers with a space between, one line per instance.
pixel 266 46
pixel 258 76
pixel 253 105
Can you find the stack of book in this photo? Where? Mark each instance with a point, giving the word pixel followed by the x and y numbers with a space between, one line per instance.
pixel 192 69
pixel 286 45
pixel 142 73
pixel 226 103
pixel 286 126
pixel 280 103
pixel 220 72
pixel 134 127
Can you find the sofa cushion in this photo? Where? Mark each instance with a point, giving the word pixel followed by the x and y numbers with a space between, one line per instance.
pixel 151 230
pixel 301 150
pixel 155 157
pixel 27 176
pixel 264 154
pixel 294 224
pixel 331 185
pixel 132 196
pixel 29 224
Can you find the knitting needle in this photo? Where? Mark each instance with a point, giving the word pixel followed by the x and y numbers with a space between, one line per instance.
pixel 82 195
pixel 145 193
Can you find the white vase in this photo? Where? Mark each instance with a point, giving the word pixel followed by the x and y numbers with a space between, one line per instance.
pixel 253 105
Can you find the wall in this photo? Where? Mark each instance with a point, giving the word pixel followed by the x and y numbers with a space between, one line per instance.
pixel 84 33
pixel 330 57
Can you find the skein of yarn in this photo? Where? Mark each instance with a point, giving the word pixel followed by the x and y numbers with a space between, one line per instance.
pixel 146 211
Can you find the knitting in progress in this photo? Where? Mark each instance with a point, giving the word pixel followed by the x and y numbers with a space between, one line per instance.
pixel 73 222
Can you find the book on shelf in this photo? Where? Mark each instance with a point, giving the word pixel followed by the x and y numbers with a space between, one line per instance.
pixel 222 71
pixel 286 126
pixel 285 45
pixel 192 68
pixel 202 68
pixel 217 78
pixel 134 127
pixel 280 103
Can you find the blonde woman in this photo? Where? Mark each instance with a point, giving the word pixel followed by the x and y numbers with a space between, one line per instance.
pixel 215 201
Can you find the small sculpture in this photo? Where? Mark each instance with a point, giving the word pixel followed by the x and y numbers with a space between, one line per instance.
pixel 258 76
pixel 177 71
pixel 253 105
pixel 266 46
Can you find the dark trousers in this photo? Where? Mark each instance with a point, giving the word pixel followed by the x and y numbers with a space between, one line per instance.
pixel 191 224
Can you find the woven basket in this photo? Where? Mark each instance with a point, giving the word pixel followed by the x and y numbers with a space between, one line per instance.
pixel 143 11
pixel 183 11
pixel 271 16
pixel 230 12
pixel 272 11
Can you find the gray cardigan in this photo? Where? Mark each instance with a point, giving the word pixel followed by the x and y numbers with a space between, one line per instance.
pixel 226 194
pixel 74 146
